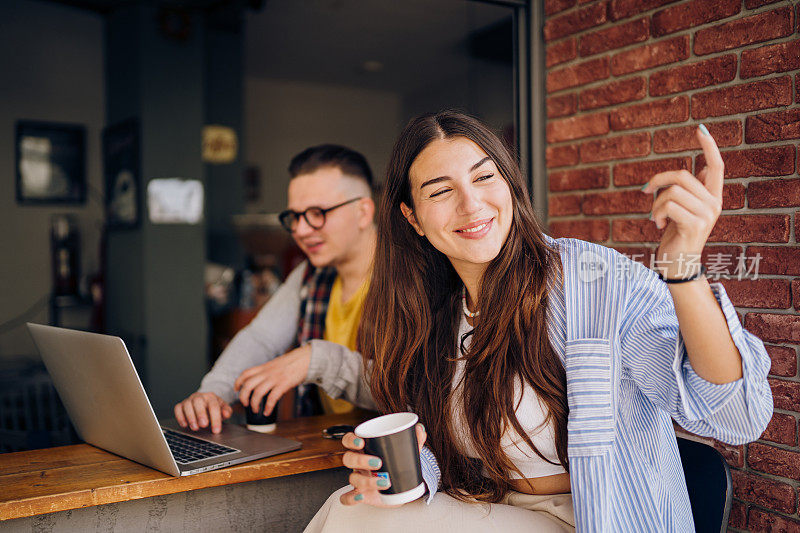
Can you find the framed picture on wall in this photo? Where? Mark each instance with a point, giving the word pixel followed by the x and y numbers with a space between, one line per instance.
pixel 50 163
pixel 121 174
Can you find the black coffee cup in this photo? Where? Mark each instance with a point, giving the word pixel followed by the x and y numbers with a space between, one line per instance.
pixel 393 438
pixel 259 421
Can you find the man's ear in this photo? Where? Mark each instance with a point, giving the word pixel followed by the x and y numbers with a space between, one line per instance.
pixel 366 212
pixel 412 219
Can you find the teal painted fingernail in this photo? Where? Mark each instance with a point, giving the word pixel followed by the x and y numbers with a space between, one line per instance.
pixel 359 497
pixel 704 129
pixel 357 441
pixel 375 462
pixel 383 482
pixel 644 186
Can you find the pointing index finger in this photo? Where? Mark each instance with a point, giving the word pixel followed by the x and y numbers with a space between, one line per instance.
pixel 716 168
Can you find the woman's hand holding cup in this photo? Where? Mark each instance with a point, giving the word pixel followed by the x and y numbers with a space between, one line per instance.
pixel 367 486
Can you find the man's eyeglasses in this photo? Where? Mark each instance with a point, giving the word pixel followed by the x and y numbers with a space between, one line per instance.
pixel 315 216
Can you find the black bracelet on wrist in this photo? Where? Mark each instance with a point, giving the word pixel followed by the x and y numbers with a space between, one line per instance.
pixel 700 272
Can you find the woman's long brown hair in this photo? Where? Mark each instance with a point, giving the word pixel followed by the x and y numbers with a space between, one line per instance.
pixel 412 313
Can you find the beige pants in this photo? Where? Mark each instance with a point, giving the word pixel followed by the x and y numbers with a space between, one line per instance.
pixel 517 512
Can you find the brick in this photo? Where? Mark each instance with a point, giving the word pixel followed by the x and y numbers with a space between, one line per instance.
pixel 733 196
pixel 577 75
pixel 620 9
pixel 751 228
pixel 773 193
pixel 772 161
pixel 772 58
pixel 777 126
pixel 640 254
pixel 635 230
pixel 691 14
pixel 783 430
pixel 620 147
pixel 664 111
pixel 784 361
pixel 561 52
pixel 761 293
pixel 584 178
pixel 785 394
pixel 552 7
pixel 616 36
pixel 568 129
pixel 763 491
pixel 797 218
pixel 796 283
pixel 617 202
pixel 616 92
pixel 742 98
pixel 720 260
pixel 738 516
pixel 685 138
pixel 744 31
pixel 775 328
pixel 575 21
pixel 758 520
pixel 797 213
pixel 561 156
pixel 780 260
pixel 565 204
pixel 773 460
pixel 559 106
pixel 650 55
pixel 693 76
pixel 641 171
pixel 595 230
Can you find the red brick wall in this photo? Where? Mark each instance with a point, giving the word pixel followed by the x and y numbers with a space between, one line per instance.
pixel 628 81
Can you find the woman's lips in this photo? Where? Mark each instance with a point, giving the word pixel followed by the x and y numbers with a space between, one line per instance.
pixel 476 230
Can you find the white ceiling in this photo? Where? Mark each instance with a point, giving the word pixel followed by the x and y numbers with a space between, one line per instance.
pixel 418 42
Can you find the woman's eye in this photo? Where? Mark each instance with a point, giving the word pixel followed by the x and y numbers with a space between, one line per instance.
pixel 484 178
pixel 439 193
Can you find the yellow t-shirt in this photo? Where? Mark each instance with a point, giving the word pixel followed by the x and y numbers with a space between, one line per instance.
pixel 341 327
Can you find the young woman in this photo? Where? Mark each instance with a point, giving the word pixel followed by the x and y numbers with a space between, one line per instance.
pixel 547 372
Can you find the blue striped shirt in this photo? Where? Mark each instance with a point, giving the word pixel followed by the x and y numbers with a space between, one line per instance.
pixel 614 326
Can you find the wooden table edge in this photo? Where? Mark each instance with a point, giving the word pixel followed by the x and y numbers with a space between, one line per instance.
pixel 164 484
pixel 172 485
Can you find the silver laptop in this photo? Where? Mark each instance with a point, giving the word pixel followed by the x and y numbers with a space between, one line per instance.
pixel 100 389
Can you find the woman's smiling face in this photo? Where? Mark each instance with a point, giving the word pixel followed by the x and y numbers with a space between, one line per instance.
pixel 462 204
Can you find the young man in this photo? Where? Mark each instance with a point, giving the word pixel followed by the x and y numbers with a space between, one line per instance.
pixel 330 215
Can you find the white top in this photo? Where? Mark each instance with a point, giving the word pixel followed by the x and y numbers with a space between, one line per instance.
pixel 531 414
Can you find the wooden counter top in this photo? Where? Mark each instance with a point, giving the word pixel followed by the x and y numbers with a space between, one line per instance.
pixel 71 477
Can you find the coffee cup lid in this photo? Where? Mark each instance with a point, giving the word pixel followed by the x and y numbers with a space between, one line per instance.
pixel 386 425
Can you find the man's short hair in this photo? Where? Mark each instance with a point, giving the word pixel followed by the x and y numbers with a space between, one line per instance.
pixel 350 162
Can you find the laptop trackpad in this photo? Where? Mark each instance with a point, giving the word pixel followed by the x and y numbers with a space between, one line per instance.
pixel 236 436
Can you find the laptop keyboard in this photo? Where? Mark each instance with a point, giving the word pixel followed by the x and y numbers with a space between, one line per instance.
pixel 187 449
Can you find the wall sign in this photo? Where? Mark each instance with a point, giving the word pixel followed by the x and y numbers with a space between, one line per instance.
pixel 220 144
pixel 175 201
pixel 50 163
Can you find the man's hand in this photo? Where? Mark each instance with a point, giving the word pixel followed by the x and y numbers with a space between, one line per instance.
pixel 196 411
pixel 273 379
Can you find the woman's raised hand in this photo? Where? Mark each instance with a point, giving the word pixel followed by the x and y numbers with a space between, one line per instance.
pixel 366 485
pixel 687 207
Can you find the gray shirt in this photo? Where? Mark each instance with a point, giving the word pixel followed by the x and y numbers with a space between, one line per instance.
pixel 273 332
